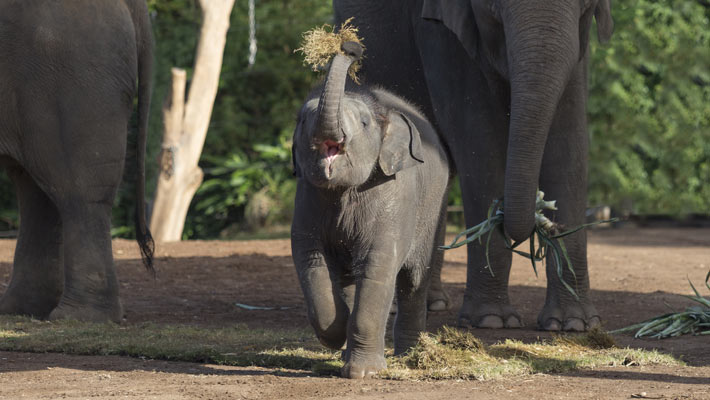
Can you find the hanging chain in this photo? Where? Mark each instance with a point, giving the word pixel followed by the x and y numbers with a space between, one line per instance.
pixel 252 34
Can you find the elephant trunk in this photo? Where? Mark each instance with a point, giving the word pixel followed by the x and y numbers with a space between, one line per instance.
pixel 542 57
pixel 329 107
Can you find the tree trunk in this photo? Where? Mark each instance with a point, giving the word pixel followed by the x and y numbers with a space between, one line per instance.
pixel 186 123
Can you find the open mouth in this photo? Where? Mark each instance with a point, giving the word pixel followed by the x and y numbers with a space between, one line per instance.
pixel 331 149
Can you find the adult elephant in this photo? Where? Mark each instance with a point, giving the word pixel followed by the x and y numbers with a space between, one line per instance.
pixel 68 74
pixel 506 83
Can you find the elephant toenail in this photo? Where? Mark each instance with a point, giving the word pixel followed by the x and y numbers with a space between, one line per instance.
pixel 574 325
pixel 513 322
pixel 490 322
pixel 438 305
pixel 594 322
pixel 552 324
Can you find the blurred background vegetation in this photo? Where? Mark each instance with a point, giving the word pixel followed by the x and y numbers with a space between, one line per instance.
pixel 649 114
pixel 649 109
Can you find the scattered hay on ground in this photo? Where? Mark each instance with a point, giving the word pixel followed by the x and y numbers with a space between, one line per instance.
pixel 448 354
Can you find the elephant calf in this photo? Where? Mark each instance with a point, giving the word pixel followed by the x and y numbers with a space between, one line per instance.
pixel 369 214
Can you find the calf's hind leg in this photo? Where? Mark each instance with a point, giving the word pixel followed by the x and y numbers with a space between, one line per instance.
pixel 411 312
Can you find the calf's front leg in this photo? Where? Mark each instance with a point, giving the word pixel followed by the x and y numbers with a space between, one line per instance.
pixel 374 292
pixel 327 311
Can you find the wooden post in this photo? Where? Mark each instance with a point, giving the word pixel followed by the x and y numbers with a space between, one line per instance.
pixel 186 123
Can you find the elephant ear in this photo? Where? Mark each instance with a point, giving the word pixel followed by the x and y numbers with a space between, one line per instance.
pixel 605 24
pixel 401 144
pixel 456 15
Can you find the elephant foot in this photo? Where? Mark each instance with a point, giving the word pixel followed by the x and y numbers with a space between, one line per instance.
pixel 571 317
pixel 38 306
pixel 363 367
pixel 438 300
pixel 88 313
pixel 489 316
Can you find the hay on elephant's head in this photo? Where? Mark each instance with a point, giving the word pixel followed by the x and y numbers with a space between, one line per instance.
pixel 321 44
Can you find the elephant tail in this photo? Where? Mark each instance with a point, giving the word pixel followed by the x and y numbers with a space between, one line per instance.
pixel 144 41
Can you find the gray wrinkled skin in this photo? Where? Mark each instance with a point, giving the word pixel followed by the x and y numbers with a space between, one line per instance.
pixel 367 221
pixel 505 82
pixel 68 76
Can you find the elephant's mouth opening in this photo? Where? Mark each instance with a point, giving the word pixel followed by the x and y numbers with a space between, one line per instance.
pixel 331 150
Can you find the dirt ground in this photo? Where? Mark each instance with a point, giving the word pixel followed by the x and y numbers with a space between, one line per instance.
pixel 636 273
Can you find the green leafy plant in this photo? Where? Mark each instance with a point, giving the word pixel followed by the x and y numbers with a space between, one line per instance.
pixel 549 236
pixel 693 321
pixel 255 106
pixel 232 181
pixel 649 109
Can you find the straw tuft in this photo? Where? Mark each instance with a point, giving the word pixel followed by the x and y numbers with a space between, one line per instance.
pixel 321 44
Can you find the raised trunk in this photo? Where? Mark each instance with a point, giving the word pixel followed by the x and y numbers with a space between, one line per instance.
pixel 329 107
pixel 542 57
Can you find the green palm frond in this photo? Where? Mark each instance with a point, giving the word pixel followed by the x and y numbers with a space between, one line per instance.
pixel 549 236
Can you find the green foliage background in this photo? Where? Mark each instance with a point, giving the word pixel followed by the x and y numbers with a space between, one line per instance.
pixel 649 112
pixel 649 109
pixel 247 150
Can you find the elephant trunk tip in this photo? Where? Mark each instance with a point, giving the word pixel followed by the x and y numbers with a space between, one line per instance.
pixel 519 230
pixel 352 49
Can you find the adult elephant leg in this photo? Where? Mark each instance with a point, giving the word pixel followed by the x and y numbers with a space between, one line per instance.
pixel 564 178
pixel 90 282
pixel 486 302
pixel 37 276
pixel 74 114
pixel 437 298
pixel 471 117
pixel 84 187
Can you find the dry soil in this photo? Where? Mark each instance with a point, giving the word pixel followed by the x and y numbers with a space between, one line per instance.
pixel 636 273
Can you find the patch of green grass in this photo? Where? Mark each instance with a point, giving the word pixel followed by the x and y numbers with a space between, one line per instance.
pixel 448 354
pixel 235 345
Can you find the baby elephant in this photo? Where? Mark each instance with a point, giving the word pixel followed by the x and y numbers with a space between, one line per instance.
pixel 369 215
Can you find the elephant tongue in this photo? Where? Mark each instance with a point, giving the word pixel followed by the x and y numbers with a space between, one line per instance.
pixel 331 149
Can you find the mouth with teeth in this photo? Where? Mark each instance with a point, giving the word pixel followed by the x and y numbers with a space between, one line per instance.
pixel 331 150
